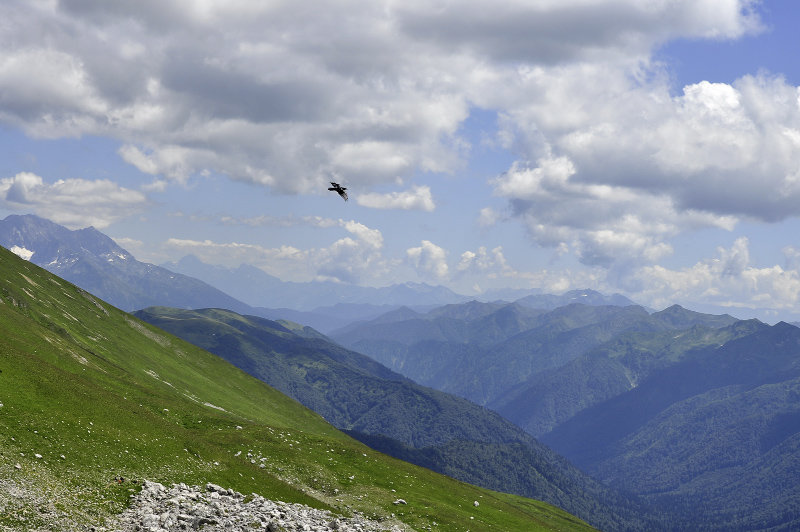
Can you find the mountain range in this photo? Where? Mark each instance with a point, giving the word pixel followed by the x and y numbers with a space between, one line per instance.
pixel 715 435
pixel 481 350
pixel 97 264
pixel 696 413
pixel 93 401
pixel 384 409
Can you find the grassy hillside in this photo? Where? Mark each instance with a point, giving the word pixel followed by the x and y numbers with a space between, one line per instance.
pixel 90 393
pixel 349 389
pixel 353 392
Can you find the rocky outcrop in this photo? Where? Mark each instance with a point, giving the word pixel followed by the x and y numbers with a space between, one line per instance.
pixel 157 508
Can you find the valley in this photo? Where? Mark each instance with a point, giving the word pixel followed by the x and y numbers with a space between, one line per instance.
pixel 626 417
pixel 90 394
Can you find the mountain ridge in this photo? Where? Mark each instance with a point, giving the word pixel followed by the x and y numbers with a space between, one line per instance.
pixel 728 413
pixel 379 403
pixel 94 400
pixel 93 261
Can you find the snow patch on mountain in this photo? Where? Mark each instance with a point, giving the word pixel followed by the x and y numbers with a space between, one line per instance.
pixel 22 252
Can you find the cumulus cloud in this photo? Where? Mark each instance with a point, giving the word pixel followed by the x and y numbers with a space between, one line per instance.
pixel 603 223
pixel 418 198
pixel 488 217
pixel 729 279
pixel 613 161
pixel 272 94
pixel 634 166
pixel 283 96
pixel 429 260
pixel 558 31
pixel 235 253
pixel 75 203
pixel 485 262
pixel 357 258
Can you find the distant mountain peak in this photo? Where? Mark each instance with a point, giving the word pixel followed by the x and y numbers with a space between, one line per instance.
pixel 681 318
pixel 584 296
pixel 93 261
pixel 48 243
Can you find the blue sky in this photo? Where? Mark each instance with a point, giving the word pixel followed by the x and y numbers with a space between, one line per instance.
pixel 650 148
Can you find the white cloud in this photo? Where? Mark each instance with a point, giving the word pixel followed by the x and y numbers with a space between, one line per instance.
pixel 418 198
pixel 272 94
pixel 75 203
pixel 626 166
pixel 488 217
pixel 483 262
pixel 48 92
pixel 613 162
pixel 554 31
pixel 729 279
pixel 354 259
pixel 282 221
pixel 603 223
pixel 371 237
pixel 429 260
pixel 279 95
pixel 231 254
pixel 700 149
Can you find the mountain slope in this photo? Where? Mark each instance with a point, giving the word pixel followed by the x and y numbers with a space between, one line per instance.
pixel 467 441
pixel 551 397
pixel 89 393
pixel 93 261
pixel 350 390
pixel 481 356
pixel 716 435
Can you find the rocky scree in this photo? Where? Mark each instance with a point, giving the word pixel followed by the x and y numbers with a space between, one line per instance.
pixel 157 508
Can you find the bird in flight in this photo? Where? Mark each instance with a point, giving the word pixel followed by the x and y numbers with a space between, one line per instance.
pixel 339 188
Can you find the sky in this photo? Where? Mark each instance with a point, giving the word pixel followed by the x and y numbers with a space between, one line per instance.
pixel 643 147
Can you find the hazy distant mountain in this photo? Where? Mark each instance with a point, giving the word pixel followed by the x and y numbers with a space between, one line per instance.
pixel 538 368
pixel 551 397
pixel 93 261
pixel 482 350
pixel 259 289
pixel 326 319
pixel 698 413
pixel 715 435
pixel 584 297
